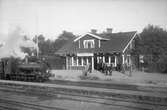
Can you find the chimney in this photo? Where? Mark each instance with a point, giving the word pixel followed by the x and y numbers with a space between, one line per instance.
pixel 93 31
pixel 109 30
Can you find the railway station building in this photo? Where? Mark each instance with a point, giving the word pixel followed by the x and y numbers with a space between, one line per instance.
pixel 93 48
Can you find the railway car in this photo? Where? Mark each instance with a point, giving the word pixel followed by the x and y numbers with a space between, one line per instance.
pixel 15 69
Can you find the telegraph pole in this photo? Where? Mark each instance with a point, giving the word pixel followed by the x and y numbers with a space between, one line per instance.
pixel 36 19
pixel 37 49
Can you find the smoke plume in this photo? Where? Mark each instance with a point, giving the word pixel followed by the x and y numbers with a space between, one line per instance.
pixel 12 45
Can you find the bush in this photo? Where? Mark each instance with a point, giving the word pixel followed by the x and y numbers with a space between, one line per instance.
pixel 159 66
pixel 162 64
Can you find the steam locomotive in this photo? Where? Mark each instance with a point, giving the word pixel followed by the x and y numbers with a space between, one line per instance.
pixel 29 69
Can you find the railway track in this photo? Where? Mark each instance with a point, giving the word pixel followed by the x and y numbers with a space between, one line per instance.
pixel 110 85
pixel 7 104
pixel 105 85
pixel 124 94
pixel 15 105
pixel 115 103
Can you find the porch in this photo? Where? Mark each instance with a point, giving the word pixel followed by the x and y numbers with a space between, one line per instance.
pixel 80 60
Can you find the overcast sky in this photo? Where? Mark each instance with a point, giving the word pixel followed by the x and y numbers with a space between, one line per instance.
pixel 50 17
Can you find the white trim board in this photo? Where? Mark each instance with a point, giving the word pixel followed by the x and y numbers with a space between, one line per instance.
pixel 95 36
pixel 129 42
pixel 84 54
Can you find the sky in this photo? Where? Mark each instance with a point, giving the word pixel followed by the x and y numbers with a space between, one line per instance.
pixel 51 17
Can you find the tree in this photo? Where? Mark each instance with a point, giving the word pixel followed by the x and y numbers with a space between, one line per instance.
pixel 49 47
pixel 62 39
pixel 45 46
pixel 153 45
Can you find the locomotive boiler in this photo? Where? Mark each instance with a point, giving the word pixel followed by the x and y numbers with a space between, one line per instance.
pixel 29 69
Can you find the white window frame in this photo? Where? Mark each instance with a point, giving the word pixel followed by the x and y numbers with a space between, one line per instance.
pixel 86 43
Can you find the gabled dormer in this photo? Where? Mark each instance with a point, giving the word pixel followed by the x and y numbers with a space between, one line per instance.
pixel 89 41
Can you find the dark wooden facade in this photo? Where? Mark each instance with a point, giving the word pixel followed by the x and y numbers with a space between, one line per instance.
pixel 113 49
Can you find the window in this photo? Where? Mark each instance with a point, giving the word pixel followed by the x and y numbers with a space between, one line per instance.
pixel 84 61
pixel 107 59
pixel 89 43
pixel 79 61
pixel 75 61
pixel 112 59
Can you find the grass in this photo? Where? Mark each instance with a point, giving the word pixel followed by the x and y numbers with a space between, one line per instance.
pixel 137 76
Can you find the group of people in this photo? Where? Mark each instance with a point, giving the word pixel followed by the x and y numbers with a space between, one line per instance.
pixel 102 67
pixel 105 68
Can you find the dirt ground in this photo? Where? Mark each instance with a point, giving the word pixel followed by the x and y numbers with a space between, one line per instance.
pixel 136 77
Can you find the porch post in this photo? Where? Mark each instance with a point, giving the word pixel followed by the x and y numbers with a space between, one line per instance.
pixel 66 62
pixel 82 61
pixel 87 60
pixel 77 61
pixel 109 59
pixel 123 59
pixel 103 59
pixel 92 63
pixel 72 60
pixel 115 61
